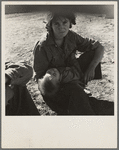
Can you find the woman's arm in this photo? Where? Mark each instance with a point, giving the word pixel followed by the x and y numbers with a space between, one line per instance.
pixel 85 44
pixel 90 72
pixel 41 62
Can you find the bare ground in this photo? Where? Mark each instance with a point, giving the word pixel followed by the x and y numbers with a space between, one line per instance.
pixel 23 30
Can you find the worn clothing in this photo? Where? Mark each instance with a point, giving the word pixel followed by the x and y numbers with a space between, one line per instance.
pixel 18 73
pixel 71 98
pixel 79 66
pixel 19 99
pixel 73 70
pixel 48 55
pixel 21 104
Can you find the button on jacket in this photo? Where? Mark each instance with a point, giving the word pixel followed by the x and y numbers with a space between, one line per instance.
pixel 48 55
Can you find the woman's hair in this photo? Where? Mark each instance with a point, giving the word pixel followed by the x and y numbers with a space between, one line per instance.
pixel 57 14
pixel 47 88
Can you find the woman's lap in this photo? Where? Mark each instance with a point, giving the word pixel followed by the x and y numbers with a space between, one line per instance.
pixel 71 100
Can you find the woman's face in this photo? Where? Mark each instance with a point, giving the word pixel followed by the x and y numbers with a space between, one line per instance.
pixel 60 27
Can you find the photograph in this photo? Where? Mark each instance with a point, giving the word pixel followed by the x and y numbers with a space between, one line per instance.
pixel 59 65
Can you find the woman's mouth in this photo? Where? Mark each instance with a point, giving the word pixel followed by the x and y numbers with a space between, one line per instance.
pixel 62 31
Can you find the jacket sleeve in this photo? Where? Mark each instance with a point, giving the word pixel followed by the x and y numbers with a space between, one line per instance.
pixel 41 61
pixel 83 44
pixel 18 73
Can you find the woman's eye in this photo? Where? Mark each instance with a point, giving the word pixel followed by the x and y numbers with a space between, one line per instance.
pixel 65 22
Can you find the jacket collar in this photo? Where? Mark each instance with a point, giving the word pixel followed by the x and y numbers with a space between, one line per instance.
pixel 68 40
pixel 50 38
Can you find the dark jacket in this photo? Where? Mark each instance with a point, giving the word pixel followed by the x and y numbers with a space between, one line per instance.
pixel 48 55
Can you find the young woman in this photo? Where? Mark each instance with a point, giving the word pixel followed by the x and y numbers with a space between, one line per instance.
pixel 54 51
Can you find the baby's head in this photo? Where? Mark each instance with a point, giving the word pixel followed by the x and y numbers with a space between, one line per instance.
pixel 50 83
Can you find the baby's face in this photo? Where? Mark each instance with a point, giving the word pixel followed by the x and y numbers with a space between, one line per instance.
pixel 54 75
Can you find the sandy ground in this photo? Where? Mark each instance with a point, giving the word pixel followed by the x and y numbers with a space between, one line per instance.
pixel 23 30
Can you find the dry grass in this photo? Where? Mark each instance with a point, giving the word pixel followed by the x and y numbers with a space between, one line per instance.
pixel 23 30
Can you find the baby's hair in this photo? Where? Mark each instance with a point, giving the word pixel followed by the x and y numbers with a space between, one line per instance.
pixel 47 88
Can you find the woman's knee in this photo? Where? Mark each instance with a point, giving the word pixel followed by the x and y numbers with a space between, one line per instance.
pixel 84 61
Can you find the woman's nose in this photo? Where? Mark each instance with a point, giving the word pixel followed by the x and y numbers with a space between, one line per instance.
pixel 61 26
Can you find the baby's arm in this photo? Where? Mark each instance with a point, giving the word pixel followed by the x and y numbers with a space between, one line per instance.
pixel 68 74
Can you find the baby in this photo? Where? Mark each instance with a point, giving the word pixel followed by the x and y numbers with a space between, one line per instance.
pixel 51 81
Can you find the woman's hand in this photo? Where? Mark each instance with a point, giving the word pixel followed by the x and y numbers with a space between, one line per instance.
pixel 89 75
pixel 95 45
